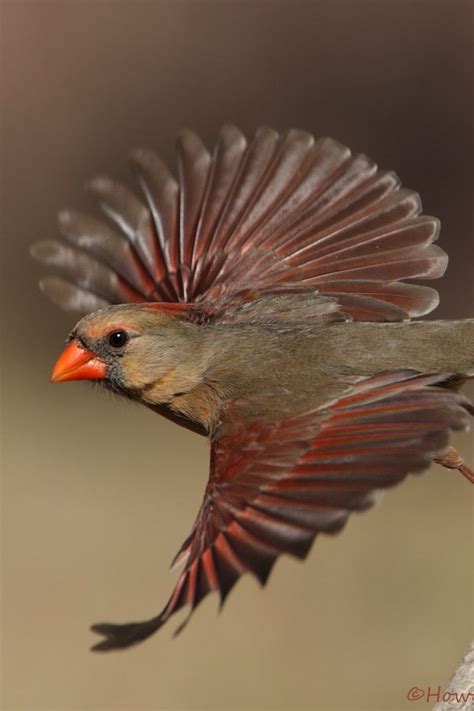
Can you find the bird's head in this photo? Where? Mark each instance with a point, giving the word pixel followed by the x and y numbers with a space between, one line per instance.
pixel 145 351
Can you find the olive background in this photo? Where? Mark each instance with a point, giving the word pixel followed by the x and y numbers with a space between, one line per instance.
pixel 98 494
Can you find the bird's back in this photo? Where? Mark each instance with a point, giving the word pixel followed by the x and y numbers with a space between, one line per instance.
pixel 272 369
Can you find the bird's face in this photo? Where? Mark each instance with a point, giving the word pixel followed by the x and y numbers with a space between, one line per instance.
pixel 132 349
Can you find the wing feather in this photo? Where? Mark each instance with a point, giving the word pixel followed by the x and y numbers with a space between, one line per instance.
pixel 193 169
pixel 161 193
pixel 282 210
pixel 274 486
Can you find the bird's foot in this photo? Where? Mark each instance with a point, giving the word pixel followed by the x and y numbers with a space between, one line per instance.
pixel 467 472
pixel 451 459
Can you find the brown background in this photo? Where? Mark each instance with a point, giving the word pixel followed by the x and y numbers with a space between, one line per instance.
pixel 97 494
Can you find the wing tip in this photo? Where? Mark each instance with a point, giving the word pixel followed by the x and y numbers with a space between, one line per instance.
pixel 46 251
pixel 122 636
pixel 436 225
pixel 70 297
pixel 58 291
pixel 143 157
pixel 188 141
pixel 100 185
pixel 66 218
pixel 430 303
pixel 36 250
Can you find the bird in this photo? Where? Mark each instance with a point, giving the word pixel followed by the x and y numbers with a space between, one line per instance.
pixel 264 298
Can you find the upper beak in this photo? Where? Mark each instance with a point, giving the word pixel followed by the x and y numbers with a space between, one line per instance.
pixel 77 363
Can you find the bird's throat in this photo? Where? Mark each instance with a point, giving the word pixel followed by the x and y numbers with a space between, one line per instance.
pixel 184 392
pixel 201 405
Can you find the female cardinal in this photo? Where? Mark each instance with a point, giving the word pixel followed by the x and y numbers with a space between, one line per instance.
pixel 266 309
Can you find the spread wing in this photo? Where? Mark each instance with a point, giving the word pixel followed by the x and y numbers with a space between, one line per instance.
pixel 284 211
pixel 274 486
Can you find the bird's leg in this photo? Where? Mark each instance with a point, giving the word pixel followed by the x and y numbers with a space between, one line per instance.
pixel 451 459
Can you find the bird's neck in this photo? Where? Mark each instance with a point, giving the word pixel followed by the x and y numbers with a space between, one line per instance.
pixel 184 395
pixel 234 368
pixel 220 369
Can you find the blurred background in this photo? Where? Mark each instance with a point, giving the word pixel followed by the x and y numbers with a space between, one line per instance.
pixel 98 494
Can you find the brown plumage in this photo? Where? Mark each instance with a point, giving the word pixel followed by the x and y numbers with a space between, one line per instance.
pixel 267 310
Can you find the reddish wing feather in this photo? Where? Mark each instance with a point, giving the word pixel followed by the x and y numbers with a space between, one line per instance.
pixel 283 210
pixel 274 486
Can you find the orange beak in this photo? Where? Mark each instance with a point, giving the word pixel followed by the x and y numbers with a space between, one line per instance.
pixel 77 363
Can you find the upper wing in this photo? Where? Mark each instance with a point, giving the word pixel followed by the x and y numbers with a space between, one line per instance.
pixel 285 210
pixel 274 486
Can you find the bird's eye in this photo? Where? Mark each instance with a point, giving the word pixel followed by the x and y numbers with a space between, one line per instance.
pixel 117 339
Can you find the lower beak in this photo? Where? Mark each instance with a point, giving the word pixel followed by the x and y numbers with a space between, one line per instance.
pixel 77 363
